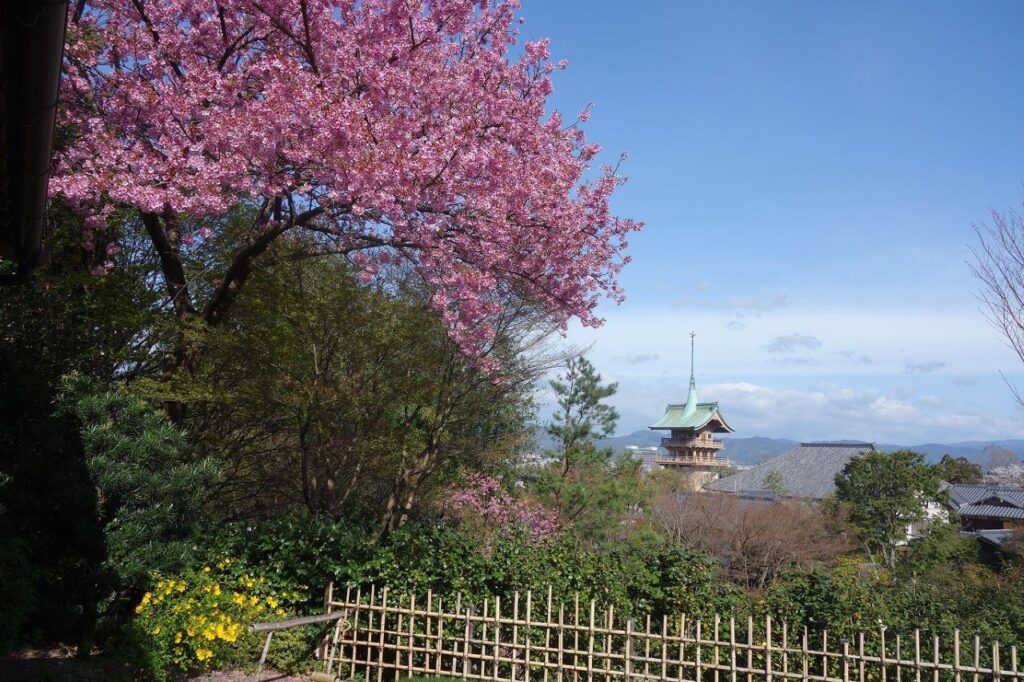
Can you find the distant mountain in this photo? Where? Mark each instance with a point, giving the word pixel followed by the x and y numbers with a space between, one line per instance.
pixel 756 449
pixel 978 451
pixel 740 450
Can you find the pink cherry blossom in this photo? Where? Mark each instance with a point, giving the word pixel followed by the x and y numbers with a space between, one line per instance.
pixel 482 501
pixel 402 129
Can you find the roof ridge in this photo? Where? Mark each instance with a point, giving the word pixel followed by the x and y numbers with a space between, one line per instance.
pixel 837 444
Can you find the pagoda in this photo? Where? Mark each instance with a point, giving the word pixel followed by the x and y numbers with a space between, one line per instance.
pixel 692 448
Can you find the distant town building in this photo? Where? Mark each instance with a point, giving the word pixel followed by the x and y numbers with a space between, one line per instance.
pixel 807 471
pixel 692 448
pixel 648 457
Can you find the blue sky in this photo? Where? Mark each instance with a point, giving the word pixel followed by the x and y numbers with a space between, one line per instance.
pixel 809 173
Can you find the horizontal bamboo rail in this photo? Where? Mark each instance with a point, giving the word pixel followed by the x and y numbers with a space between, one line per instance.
pixel 523 640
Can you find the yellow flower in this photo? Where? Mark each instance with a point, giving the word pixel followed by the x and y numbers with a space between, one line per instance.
pixel 281 613
pixel 181 587
pixel 177 638
pixel 210 633
pixel 203 654
pixel 206 569
pixel 271 602
pixel 156 630
pixel 216 590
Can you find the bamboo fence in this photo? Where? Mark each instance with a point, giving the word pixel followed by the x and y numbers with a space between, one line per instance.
pixel 530 639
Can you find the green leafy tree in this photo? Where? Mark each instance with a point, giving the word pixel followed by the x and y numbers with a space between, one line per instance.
pixel 148 494
pixel 886 492
pixel 363 407
pixel 64 319
pixel 958 470
pixel 773 481
pixel 585 483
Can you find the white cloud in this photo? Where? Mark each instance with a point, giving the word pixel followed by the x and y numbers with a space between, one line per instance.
pixel 923 367
pixel 831 411
pixel 861 391
pixel 791 343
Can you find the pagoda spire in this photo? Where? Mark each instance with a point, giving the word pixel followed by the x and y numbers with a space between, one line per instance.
pixel 691 398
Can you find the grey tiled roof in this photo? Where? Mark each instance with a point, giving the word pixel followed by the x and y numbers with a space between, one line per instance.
pixel 988 501
pixel 973 493
pixel 808 470
pixel 990 511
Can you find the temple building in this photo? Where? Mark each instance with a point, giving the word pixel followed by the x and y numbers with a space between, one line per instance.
pixel 692 448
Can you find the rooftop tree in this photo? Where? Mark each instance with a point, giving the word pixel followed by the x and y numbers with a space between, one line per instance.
pixel 393 131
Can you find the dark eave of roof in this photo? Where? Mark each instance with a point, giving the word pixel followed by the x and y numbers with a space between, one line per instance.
pixel 31 51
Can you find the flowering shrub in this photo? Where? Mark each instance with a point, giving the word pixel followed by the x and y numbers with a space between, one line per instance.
pixel 483 500
pixel 200 619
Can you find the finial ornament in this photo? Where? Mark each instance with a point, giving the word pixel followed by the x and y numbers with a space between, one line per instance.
pixel 692 336
pixel 691 398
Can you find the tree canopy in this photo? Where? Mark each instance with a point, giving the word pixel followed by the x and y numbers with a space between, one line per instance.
pixel 886 492
pixel 393 132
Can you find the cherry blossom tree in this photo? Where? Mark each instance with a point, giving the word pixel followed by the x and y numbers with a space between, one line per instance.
pixel 410 133
pixel 482 502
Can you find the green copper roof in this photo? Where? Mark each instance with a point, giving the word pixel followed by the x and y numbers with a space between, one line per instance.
pixel 687 417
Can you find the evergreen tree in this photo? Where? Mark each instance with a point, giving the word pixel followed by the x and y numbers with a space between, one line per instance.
pixel 585 483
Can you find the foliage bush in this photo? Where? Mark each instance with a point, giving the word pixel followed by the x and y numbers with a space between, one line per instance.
pixel 198 620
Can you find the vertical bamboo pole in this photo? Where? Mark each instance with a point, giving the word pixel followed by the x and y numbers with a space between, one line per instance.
pixel 732 650
pixel 882 651
pixel 529 610
pixel 483 642
pixel 785 650
pixel 515 634
pixel 412 633
pixel 846 661
pixel 382 634
pixel 956 655
pixel 369 632
pixel 428 632
pixel 455 643
pixel 996 672
pixel 576 637
pixel 399 634
pixel 718 623
pixel 560 660
pixel 610 613
pixel 627 666
pixel 547 636
pixel 664 648
pixel 935 659
pixel 917 656
pixel 803 654
pixel 860 657
pixel 440 637
pixel 698 671
pixel 768 648
pixel 824 653
pixel 647 647
pixel 682 647
pixel 497 636
pixel 355 632
pixel 977 656
pixel 899 661
pixel 750 648
pixel 467 642
pixel 590 643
